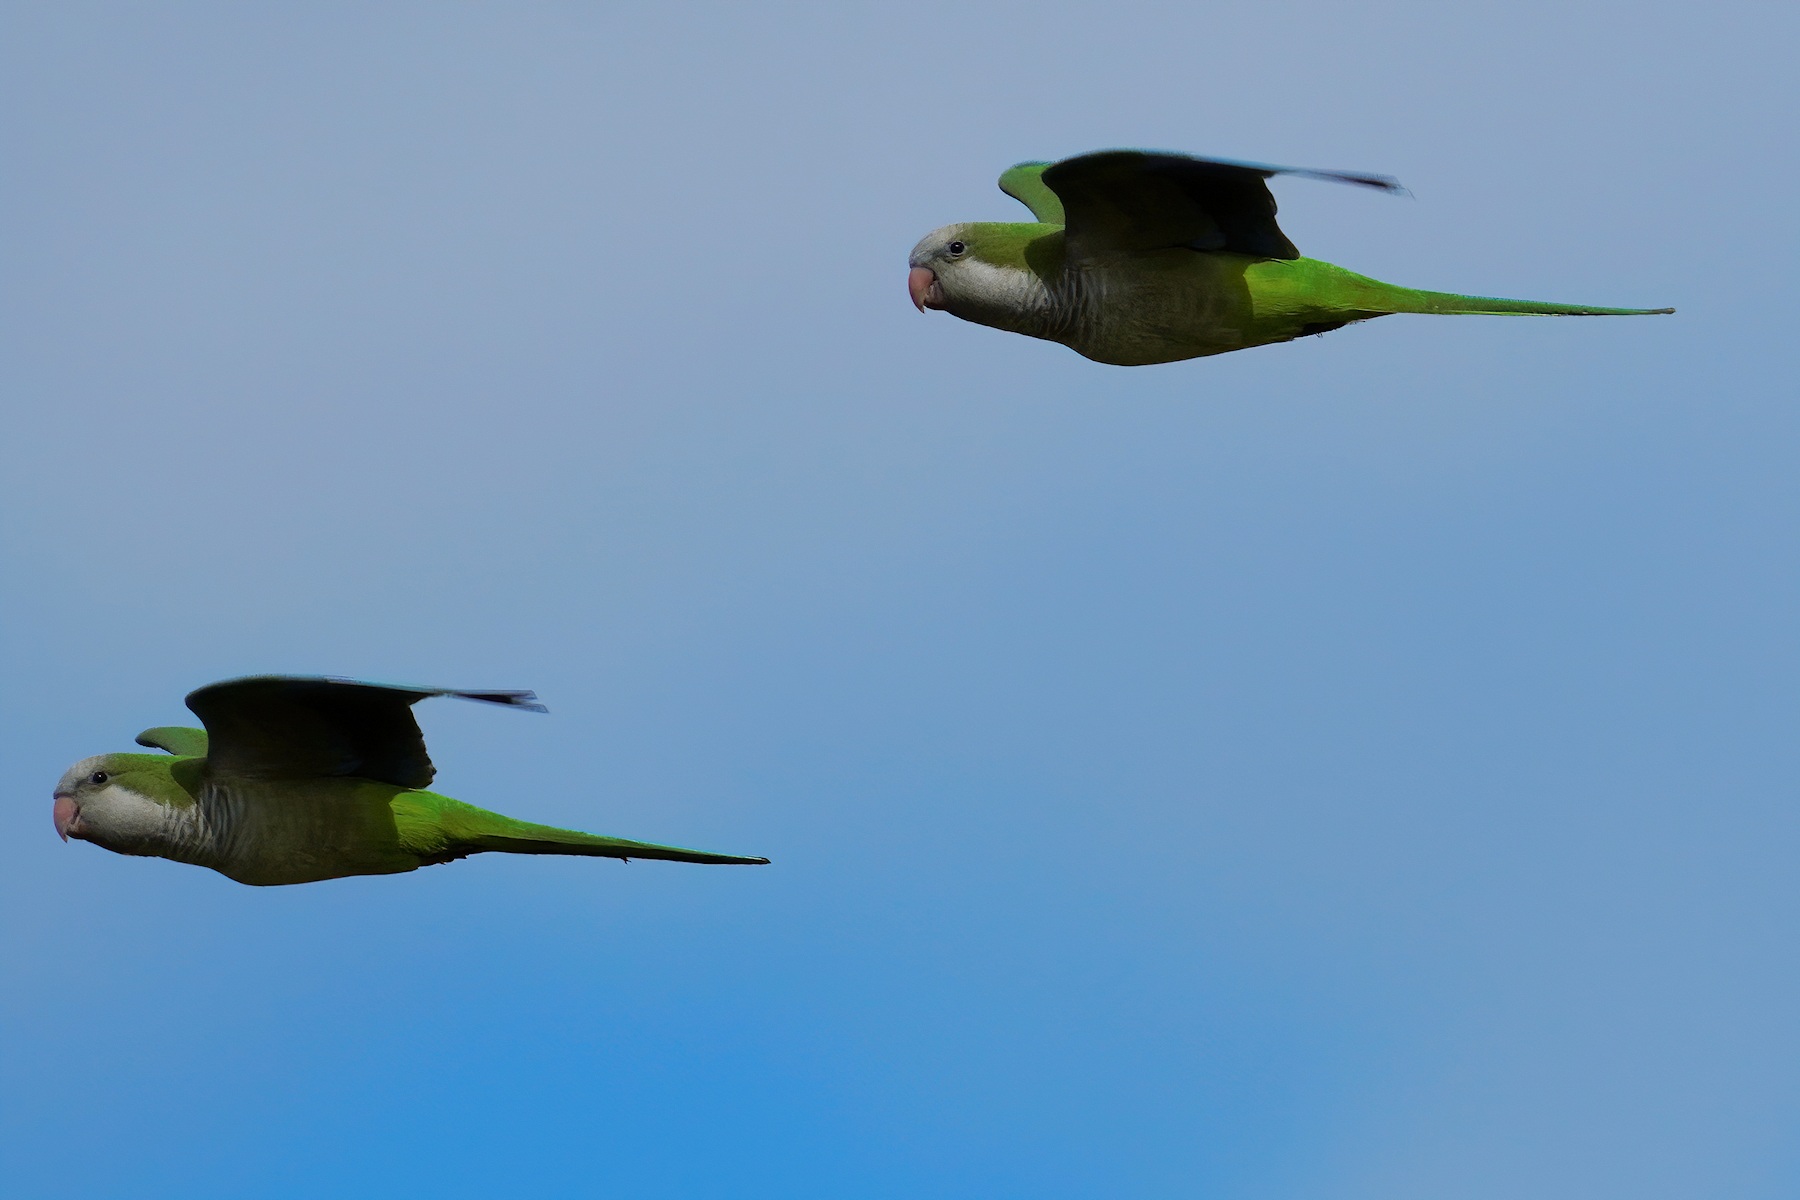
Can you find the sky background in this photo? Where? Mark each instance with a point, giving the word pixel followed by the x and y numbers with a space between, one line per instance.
pixel 1360 769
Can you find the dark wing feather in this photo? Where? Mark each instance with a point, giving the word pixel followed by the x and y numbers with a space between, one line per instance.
pixel 297 726
pixel 1124 201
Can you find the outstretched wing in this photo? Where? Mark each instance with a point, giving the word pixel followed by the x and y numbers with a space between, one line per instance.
pixel 1121 201
pixel 299 726
pixel 176 739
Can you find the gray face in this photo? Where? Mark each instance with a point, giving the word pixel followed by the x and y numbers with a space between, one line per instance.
pixel 95 802
pixel 954 269
pixel 941 247
pixel 935 259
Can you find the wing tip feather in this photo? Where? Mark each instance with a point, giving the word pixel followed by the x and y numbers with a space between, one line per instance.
pixel 1381 183
pixel 507 698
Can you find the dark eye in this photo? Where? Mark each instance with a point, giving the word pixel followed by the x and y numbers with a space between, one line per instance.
pixel 956 248
pixel 97 777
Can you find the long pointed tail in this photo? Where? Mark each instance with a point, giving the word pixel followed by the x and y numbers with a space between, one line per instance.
pixel 1411 300
pixel 526 838
pixel 438 829
pixel 1314 291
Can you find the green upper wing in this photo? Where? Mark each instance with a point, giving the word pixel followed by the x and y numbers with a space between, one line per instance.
pixel 1121 201
pixel 301 726
pixel 176 739
pixel 1025 183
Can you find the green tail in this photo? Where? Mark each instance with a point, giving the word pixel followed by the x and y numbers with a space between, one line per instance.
pixel 1313 292
pixel 522 837
pixel 439 829
pixel 1410 300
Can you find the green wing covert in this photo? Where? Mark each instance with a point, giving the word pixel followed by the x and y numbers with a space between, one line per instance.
pixel 1025 183
pixel 176 739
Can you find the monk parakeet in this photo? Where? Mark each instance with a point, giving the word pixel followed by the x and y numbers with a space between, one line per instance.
pixel 298 779
pixel 1138 258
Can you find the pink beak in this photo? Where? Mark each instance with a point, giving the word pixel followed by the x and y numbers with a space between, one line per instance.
pixel 922 283
pixel 64 814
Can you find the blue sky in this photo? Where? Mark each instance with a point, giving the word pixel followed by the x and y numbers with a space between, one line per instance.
pixel 1363 768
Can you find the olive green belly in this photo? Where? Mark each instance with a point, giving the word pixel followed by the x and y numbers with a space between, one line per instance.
pixel 302 831
pixel 1177 304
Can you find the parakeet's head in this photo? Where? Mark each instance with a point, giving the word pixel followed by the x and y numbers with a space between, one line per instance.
pixel 983 270
pixel 124 802
pixel 939 252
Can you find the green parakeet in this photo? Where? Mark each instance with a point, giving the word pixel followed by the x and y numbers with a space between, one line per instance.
pixel 299 779
pixel 1137 257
